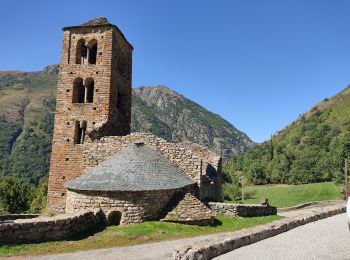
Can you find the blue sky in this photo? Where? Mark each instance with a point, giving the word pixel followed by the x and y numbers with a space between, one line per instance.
pixel 258 64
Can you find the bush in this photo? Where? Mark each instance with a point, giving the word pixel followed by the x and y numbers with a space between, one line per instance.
pixel 14 195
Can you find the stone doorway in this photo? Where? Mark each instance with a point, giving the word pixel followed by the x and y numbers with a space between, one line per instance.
pixel 113 218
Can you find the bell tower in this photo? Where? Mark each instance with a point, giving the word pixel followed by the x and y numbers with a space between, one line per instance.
pixel 93 98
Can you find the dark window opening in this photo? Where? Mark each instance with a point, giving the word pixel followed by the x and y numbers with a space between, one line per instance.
pixel 92 49
pixel 120 98
pixel 81 52
pixel 113 218
pixel 79 132
pixel 89 90
pixel 78 91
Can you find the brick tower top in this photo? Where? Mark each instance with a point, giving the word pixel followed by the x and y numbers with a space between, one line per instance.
pixel 97 53
pixel 93 97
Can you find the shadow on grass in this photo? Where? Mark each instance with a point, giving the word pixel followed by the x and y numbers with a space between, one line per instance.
pixel 217 223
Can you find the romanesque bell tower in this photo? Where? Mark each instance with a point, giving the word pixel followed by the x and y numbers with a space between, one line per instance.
pixel 93 98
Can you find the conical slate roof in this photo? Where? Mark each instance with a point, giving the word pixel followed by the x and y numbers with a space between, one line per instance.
pixel 138 167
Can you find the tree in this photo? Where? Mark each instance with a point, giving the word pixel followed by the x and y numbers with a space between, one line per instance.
pixel 39 197
pixel 256 174
pixel 14 195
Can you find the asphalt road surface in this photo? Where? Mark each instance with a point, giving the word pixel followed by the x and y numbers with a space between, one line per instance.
pixel 324 239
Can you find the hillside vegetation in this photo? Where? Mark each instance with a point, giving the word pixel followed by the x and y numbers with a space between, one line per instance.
pixel 311 149
pixel 27 106
pixel 283 195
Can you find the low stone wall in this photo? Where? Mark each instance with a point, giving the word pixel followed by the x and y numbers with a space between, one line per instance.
pixel 241 210
pixel 17 216
pixel 48 228
pixel 134 207
pixel 307 204
pixel 213 247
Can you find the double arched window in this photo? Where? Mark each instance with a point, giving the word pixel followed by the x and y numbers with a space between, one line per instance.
pixel 86 53
pixel 79 131
pixel 83 93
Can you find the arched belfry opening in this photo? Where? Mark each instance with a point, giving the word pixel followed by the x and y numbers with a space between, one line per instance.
pixel 89 85
pixel 78 91
pixel 83 92
pixel 92 51
pixel 79 131
pixel 81 52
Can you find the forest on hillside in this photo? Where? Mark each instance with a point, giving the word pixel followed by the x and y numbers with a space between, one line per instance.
pixel 312 149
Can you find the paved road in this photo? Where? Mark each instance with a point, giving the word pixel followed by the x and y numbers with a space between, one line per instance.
pixel 152 251
pixel 324 239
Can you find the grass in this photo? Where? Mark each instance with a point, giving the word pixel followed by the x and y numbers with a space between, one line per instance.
pixel 280 195
pixel 134 234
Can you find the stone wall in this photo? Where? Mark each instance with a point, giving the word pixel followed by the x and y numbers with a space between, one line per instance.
pixel 241 210
pixel 50 228
pixel 107 146
pixel 211 175
pixel 185 208
pixel 134 207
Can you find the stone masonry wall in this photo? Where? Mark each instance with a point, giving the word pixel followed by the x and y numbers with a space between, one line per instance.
pixel 211 175
pixel 47 229
pixel 134 207
pixel 183 158
pixel 241 210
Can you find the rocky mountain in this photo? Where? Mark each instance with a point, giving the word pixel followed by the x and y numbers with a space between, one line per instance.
pixel 172 116
pixel 311 149
pixel 27 105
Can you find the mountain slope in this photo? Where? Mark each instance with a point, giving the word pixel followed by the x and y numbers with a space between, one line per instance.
pixel 27 104
pixel 166 113
pixel 311 149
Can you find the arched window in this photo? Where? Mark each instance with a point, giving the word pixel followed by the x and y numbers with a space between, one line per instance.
pixel 89 84
pixel 82 52
pixel 78 91
pixel 92 51
pixel 79 132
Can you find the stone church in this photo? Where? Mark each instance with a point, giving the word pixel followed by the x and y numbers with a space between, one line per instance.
pixel 96 163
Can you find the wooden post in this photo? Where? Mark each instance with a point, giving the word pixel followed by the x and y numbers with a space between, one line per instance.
pixel 242 191
pixel 241 180
pixel 345 176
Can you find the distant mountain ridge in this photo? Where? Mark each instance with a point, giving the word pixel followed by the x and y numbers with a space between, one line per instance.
pixel 27 106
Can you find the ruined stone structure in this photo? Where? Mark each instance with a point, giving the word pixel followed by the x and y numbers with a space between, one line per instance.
pixel 93 98
pixel 96 163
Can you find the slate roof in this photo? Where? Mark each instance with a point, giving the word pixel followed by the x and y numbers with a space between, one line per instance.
pixel 96 22
pixel 138 167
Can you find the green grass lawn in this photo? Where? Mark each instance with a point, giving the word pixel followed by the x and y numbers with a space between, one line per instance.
pixel 134 234
pixel 290 195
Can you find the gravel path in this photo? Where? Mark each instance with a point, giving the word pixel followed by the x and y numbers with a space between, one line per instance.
pixel 324 239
